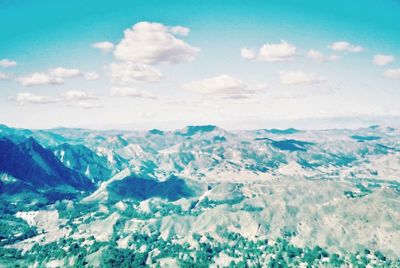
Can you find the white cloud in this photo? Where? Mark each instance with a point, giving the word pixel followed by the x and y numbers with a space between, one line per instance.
pixel 8 63
pixel 299 78
pixel 125 73
pixel 152 43
pixel 85 105
pixel 277 52
pixel 271 52
pixel 91 76
pixel 105 46
pixel 36 79
pixel 345 46
pixel 29 98
pixel 223 86
pixel 4 76
pixel 318 56
pixel 62 72
pixel 179 30
pixel 71 98
pixel 247 54
pixel 52 77
pixel 382 60
pixel 78 95
pixel 130 92
pixel 392 73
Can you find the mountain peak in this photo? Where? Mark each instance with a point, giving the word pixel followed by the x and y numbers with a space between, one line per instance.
pixel 155 131
pixel 2 126
pixel 286 131
pixel 192 130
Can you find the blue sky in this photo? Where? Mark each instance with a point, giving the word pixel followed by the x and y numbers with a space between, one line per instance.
pixel 238 64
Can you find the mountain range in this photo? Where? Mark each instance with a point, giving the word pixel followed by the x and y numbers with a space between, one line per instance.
pixel 337 189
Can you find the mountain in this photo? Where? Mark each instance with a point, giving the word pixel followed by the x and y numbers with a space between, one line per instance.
pixel 211 153
pixel 85 161
pixel 192 130
pixel 30 163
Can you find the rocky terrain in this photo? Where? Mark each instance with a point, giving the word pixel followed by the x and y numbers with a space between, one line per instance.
pixel 200 196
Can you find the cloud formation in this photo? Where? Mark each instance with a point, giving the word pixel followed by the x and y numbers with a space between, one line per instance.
pixel 130 92
pixel 91 76
pixel 247 54
pixel 125 73
pixel 382 60
pixel 36 79
pixel 223 86
pixel 153 43
pixel 55 76
pixel 271 52
pixel 61 72
pixel 104 46
pixel 299 78
pixel 6 63
pixel 179 30
pixel 392 73
pixel 343 46
pixel 319 57
pixel 30 98
pixel 72 98
pixel 73 95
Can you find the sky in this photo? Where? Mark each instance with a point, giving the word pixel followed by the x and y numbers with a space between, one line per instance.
pixel 167 64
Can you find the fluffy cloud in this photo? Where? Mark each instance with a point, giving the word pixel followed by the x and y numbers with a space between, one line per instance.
pixel 223 86
pixel 105 46
pixel 8 63
pixel 37 79
pixel 271 52
pixel 277 52
pixel 179 30
pixel 345 46
pixel 124 73
pixel 392 73
pixel 299 78
pixel 61 72
pixel 315 55
pixel 70 98
pixel 153 43
pixel 54 76
pixel 318 56
pixel 79 99
pixel 130 92
pixel 78 95
pixel 29 98
pixel 382 60
pixel 247 54
pixel 91 76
